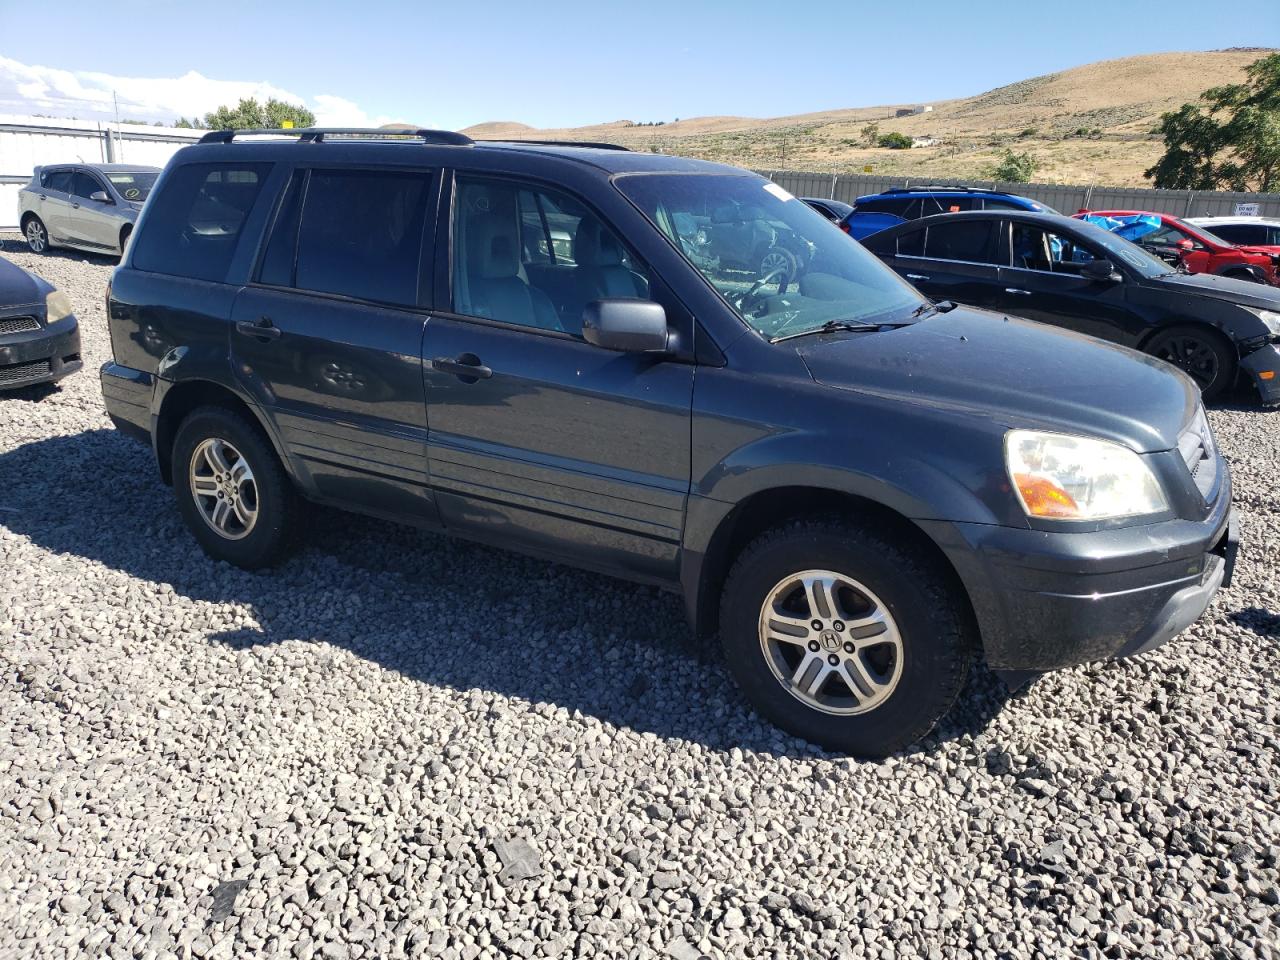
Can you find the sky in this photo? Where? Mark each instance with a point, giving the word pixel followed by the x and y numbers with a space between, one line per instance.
pixel 566 62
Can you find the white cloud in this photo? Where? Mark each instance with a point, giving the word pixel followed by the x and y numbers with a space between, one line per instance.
pixel 27 89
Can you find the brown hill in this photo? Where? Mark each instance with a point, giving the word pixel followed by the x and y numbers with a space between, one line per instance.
pixel 1092 123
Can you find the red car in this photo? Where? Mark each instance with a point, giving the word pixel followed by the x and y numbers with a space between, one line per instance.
pixel 1199 250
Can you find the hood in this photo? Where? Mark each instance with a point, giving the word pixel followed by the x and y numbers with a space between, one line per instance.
pixel 1246 293
pixel 19 288
pixel 1014 372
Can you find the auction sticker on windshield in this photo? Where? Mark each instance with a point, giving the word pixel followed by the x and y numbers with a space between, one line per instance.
pixel 778 192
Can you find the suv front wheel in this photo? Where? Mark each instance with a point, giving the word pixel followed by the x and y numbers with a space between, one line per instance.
pixel 231 490
pixel 842 637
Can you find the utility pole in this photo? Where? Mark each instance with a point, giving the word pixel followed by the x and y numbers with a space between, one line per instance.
pixel 119 140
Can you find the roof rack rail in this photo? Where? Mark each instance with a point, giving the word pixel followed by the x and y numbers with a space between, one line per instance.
pixel 317 135
pixel 931 187
pixel 590 144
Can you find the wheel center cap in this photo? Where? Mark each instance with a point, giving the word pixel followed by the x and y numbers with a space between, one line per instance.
pixel 829 640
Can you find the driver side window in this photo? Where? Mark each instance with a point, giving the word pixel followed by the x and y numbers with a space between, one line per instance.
pixel 535 258
pixel 1035 248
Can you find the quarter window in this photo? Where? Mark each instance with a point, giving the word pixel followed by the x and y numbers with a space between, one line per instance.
pixel 1243 233
pixel 972 241
pixel 194 223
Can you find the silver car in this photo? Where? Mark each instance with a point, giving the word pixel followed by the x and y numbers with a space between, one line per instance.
pixel 89 206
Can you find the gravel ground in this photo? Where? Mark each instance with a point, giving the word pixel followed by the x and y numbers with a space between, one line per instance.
pixel 398 745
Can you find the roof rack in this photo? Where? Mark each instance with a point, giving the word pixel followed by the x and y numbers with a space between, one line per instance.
pixel 589 144
pixel 318 134
pixel 932 187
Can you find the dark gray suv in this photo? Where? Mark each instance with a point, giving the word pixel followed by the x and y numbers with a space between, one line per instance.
pixel 540 346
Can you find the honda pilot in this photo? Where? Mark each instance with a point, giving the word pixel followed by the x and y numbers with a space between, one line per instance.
pixel 540 346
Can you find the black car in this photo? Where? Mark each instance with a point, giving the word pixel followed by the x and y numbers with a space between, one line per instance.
pixel 1072 274
pixel 39 336
pixel 821 464
pixel 833 210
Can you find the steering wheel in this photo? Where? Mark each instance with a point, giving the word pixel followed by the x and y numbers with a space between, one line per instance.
pixel 751 294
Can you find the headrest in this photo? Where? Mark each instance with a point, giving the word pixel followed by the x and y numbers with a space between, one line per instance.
pixel 493 247
pixel 594 246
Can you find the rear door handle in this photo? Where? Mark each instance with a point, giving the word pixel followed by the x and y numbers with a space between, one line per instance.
pixel 466 368
pixel 916 276
pixel 43 197
pixel 263 329
pixel 1017 292
pixel 75 206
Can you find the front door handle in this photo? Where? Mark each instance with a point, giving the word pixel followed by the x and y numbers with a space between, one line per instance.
pixel 466 367
pixel 916 276
pixel 262 329
pixel 75 206
pixel 43 197
pixel 1017 292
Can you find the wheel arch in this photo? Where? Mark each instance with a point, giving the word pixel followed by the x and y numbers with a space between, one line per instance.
pixel 181 398
pixel 1201 325
pixel 771 507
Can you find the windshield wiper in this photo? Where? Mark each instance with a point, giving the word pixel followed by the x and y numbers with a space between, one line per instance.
pixel 832 326
pixel 942 306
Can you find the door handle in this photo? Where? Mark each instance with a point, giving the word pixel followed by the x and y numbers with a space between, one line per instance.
pixel 916 276
pixel 1017 292
pixel 263 329
pixel 75 206
pixel 466 368
pixel 43 197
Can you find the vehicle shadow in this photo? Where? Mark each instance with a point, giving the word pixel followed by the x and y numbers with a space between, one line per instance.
pixel 16 243
pixel 32 394
pixel 441 611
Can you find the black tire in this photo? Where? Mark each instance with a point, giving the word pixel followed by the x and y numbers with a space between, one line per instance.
pixel 775 257
pixel 271 536
pixel 1203 354
pixel 933 621
pixel 35 246
pixel 125 231
pixel 1248 275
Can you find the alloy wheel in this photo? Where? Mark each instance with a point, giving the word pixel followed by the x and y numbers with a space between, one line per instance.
pixel 37 240
pixel 831 642
pixel 224 489
pixel 1192 356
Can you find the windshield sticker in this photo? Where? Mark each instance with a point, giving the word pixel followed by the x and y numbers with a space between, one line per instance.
pixel 777 191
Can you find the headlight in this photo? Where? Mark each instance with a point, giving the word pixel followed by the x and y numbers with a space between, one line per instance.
pixel 57 306
pixel 1063 477
pixel 1271 319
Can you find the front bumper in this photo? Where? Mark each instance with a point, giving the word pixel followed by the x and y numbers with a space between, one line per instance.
pixel 1044 601
pixel 40 356
pixel 1263 365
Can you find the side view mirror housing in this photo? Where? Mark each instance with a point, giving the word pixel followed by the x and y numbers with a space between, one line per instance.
pixel 100 196
pixel 629 326
pixel 1103 270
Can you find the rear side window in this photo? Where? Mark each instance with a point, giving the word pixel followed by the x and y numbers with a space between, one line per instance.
pixel 1240 232
pixel 911 244
pixel 360 235
pixel 897 206
pixel 194 223
pixel 992 203
pixel 59 180
pixel 972 241
pixel 935 205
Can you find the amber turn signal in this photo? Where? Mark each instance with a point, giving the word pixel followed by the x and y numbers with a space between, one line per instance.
pixel 1044 498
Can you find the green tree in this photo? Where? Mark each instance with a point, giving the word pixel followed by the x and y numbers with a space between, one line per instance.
pixel 1015 167
pixel 184 123
pixel 1229 139
pixel 870 134
pixel 894 141
pixel 249 114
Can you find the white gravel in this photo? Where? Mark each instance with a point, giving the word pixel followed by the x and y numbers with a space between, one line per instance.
pixel 398 745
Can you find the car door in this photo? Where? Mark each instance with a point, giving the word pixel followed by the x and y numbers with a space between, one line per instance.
pixel 952 259
pixel 1043 282
pixel 93 222
pixel 539 440
pixel 55 204
pixel 327 337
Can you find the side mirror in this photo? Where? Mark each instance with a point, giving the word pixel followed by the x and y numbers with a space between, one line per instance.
pixel 1186 244
pixel 100 196
pixel 629 326
pixel 1100 270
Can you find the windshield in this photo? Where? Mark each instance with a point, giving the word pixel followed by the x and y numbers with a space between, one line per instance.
pixel 1120 250
pixel 783 267
pixel 133 186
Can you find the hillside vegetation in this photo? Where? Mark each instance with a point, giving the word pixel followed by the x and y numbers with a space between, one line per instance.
pixel 1090 124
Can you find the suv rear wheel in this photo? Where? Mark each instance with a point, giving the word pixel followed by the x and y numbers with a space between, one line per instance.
pixel 842 637
pixel 231 490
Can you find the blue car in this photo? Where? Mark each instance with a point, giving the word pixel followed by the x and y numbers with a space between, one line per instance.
pixel 880 211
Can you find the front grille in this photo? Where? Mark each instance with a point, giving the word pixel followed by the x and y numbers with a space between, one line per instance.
pixel 1200 453
pixel 19 372
pixel 18 324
